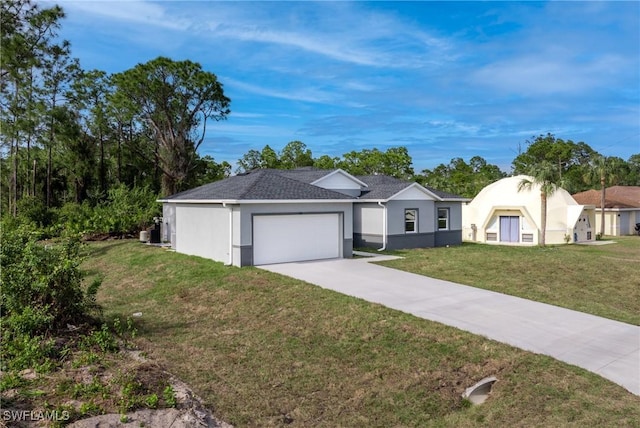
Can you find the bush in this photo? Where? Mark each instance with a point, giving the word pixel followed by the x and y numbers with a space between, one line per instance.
pixel 42 287
pixel 124 212
pixel 129 210
pixel 33 210
pixel 74 219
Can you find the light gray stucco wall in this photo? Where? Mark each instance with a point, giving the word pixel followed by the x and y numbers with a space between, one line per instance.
pixel 452 236
pixel 349 192
pixel 368 225
pixel 623 221
pixel 168 232
pixel 246 211
pixel 455 214
pixel 203 230
pixel 395 216
pixel 367 218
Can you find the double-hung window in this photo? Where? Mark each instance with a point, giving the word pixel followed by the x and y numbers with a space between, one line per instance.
pixel 443 218
pixel 410 221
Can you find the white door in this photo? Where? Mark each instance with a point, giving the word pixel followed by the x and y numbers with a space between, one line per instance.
pixel 296 237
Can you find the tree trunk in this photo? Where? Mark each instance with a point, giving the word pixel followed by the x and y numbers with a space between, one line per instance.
pixel 543 220
pixel 103 173
pixel 49 168
pixel 602 203
pixel 13 192
pixel 33 177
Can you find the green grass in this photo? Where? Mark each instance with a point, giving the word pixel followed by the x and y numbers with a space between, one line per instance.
pixel 602 280
pixel 267 350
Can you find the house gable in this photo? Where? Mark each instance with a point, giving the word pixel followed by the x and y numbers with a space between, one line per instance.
pixel 414 192
pixel 342 182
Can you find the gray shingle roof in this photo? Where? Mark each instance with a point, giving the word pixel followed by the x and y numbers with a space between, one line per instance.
pixel 306 175
pixel 263 184
pixel 384 187
pixel 267 184
pixel 445 195
pixel 381 186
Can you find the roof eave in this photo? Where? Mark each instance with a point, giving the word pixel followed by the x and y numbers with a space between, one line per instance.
pixel 254 201
pixel 456 199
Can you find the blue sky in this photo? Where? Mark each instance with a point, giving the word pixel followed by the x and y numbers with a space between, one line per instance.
pixel 444 79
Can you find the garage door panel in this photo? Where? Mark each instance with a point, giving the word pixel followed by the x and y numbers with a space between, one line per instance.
pixel 289 238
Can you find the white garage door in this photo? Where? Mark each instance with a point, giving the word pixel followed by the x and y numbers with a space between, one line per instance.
pixel 291 238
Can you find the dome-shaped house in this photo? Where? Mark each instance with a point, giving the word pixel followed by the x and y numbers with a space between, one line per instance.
pixel 503 214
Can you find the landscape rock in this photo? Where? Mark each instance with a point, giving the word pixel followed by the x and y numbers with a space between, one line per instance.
pixel 173 418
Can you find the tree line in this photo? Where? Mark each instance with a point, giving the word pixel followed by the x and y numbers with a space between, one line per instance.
pixel 85 137
pixel 70 135
pixel 577 166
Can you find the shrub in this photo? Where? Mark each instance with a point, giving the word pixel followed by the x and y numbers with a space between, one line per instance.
pixel 33 210
pixel 74 219
pixel 42 287
pixel 124 211
pixel 129 210
pixel 41 290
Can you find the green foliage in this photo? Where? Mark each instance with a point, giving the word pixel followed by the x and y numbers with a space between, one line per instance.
pixel 570 160
pixel 128 210
pixel 296 155
pixel 131 395
pixel 151 401
pixel 208 170
pixel 42 287
pixel 42 290
pixel 169 396
pixel 22 351
pixel 326 162
pixel 91 409
pixel 395 162
pixel 102 339
pixel 125 211
pixel 11 380
pixel 34 211
pixel 461 178
pixel 89 390
pixel 173 100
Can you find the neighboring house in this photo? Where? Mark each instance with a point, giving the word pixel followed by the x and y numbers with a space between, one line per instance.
pixel 621 208
pixel 276 216
pixel 501 214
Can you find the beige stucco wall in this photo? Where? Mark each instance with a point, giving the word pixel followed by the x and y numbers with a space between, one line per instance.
pixel 617 221
pixel 481 216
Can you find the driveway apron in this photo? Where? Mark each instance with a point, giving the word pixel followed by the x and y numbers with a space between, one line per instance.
pixel 603 346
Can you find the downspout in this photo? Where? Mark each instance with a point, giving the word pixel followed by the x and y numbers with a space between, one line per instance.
pixel 230 261
pixel 384 226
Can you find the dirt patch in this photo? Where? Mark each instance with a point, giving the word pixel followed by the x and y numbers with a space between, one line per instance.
pixel 188 413
pixel 94 389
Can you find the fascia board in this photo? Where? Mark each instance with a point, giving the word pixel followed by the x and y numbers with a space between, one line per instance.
pixel 256 201
pixel 456 199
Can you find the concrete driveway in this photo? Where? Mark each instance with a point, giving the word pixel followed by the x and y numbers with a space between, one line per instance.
pixel 606 347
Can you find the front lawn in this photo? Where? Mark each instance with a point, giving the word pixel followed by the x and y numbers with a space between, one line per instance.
pixel 267 350
pixel 602 280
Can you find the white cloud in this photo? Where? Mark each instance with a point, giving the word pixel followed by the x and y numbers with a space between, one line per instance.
pixel 140 12
pixel 308 94
pixel 347 33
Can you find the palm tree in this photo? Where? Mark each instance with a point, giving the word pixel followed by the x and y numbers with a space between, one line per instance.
pixel 545 175
pixel 602 169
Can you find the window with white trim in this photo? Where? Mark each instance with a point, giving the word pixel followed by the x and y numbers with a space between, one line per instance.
pixel 443 218
pixel 410 221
